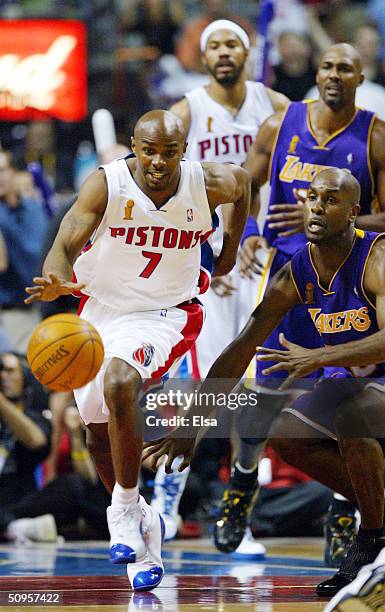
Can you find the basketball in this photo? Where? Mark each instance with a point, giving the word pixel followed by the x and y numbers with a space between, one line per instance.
pixel 65 352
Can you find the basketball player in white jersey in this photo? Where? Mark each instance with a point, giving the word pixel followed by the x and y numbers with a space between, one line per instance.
pixel 146 217
pixel 221 120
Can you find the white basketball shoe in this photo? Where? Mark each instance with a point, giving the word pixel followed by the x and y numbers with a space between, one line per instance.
pixel 137 533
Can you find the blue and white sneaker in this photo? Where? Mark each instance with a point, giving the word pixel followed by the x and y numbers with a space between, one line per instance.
pixel 168 489
pixel 365 593
pixel 147 573
pixel 126 540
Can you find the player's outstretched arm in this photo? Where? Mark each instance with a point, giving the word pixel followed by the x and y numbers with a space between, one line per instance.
pixel 75 230
pixel 299 361
pixel 229 368
pixel 228 184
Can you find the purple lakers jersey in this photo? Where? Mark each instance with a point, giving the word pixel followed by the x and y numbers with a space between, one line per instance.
pixel 341 312
pixel 298 157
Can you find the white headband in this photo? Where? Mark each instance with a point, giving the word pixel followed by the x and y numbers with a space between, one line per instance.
pixel 224 24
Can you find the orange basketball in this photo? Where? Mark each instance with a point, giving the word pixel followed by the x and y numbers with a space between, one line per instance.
pixel 65 352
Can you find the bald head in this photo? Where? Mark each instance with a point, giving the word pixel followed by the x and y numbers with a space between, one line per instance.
pixel 344 51
pixel 161 124
pixel 341 179
pixel 331 207
pixel 159 144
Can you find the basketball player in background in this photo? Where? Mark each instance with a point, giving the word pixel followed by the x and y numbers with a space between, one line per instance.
pixel 221 121
pixel 289 150
pixel 147 215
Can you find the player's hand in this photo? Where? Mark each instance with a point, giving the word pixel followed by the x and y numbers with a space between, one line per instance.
pixel 288 218
pixel 223 286
pixel 49 288
pixel 250 263
pixel 297 360
pixel 172 446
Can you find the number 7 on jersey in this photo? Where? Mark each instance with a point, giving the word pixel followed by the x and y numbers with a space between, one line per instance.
pixel 152 264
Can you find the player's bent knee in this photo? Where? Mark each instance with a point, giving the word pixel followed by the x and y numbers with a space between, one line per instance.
pixel 121 384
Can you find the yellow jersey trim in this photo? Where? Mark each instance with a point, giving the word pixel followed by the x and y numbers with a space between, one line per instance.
pixel 368 158
pixel 364 269
pixel 328 291
pixel 322 145
pixel 261 291
pixel 294 283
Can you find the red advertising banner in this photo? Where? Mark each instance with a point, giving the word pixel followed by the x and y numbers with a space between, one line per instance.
pixel 43 69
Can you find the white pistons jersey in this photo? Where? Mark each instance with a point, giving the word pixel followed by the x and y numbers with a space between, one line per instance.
pixel 143 258
pixel 215 135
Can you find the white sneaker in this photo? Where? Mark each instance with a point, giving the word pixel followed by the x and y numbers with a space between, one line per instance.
pixel 39 529
pixel 148 573
pixel 125 527
pixel 365 593
pixel 249 548
pixel 168 489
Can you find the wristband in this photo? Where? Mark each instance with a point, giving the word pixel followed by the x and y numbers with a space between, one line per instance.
pixel 251 229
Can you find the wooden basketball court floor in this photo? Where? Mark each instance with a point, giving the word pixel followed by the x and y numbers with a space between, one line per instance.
pixel 197 578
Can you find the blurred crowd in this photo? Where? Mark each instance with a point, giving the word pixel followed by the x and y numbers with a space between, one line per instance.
pixel 142 54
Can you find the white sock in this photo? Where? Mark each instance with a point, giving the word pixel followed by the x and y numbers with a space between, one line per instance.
pixel 124 497
pixel 245 470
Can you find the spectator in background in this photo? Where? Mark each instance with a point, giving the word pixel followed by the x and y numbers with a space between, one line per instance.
pixel 78 494
pixel 23 226
pixel 24 430
pixel 41 146
pixel 368 41
pixel 157 21
pixel 24 185
pixel 295 73
pixel 188 45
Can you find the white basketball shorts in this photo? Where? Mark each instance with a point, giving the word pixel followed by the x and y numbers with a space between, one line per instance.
pixel 152 342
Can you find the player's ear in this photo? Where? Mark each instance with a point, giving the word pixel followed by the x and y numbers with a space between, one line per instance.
pixel 185 147
pixel 133 147
pixel 362 78
pixel 356 208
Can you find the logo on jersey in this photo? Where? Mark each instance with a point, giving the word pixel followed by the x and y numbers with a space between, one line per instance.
pixel 144 354
pixel 309 293
pixel 349 157
pixel 209 124
pixel 335 322
pixel 190 215
pixel 293 144
pixel 128 210
pixel 296 170
pixel 163 313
